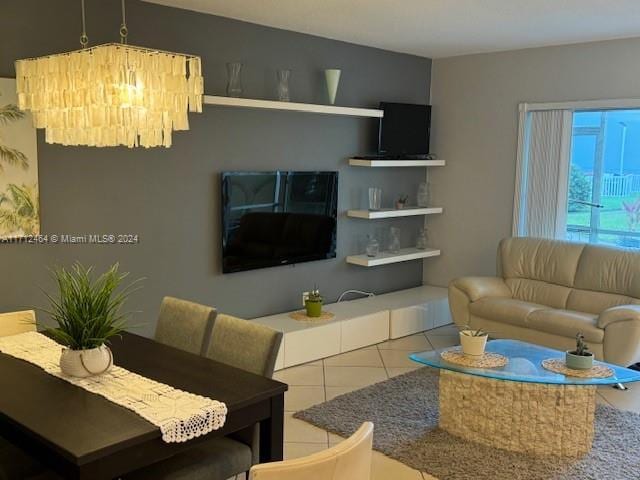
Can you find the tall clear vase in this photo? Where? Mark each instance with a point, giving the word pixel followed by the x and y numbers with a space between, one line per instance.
pixel 283 85
pixel 234 81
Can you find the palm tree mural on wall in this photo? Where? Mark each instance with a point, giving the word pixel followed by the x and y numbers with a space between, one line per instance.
pixel 19 202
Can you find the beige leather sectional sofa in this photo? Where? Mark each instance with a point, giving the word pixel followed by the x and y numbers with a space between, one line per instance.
pixel 546 291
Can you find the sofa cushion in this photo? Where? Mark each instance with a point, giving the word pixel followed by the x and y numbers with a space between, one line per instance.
pixel 567 323
pixel 597 302
pixel 549 261
pixel 610 270
pixel 542 293
pixel 505 310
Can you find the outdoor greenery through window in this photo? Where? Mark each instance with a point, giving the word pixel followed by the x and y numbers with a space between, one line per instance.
pixel 604 180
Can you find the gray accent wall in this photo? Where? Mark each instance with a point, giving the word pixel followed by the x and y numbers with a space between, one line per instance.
pixel 475 103
pixel 170 197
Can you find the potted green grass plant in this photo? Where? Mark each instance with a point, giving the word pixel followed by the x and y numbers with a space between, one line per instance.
pixel 473 341
pixel 580 358
pixel 313 303
pixel 87 313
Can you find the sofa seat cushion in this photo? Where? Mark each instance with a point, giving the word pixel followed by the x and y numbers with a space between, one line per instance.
pixel 567 323
pixel 505 310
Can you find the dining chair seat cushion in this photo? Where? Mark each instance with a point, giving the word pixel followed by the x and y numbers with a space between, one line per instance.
pixel 215 459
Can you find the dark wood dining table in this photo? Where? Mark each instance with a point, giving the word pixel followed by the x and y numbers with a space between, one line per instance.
pixel 82 435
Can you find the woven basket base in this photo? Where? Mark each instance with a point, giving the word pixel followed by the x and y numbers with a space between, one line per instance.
pixel 487 360
pixel 558 365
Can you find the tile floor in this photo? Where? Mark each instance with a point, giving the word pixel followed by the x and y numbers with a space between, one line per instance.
pixel 323 380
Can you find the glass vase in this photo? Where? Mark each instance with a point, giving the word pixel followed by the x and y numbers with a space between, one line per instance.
pixel 373 247
pixel 394 240
pixel 423 195
pixel 375 198
pixel 234 81
pixel 421 239
pixel 283 85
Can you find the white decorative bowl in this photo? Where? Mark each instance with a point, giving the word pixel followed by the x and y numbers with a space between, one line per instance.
pixel 86 363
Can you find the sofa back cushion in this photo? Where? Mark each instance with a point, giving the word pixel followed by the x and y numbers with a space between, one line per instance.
pixel 536 291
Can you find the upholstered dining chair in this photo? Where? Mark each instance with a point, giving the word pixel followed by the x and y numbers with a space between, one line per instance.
pixel 245 345
pixel 13 323
pixel 349 460
pixel 185 325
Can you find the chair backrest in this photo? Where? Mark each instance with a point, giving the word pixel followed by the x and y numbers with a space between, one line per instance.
pixel 244 344
pixel 349 460
pixel 185 325
pixel 13 323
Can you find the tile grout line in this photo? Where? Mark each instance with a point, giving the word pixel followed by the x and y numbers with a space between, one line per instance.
pixel 384 365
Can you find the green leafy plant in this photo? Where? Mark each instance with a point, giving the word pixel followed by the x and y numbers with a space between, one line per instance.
pixel 579 190
pixel 314 295
pixel 471 332
pixel 582 349
pixel 87 309
pixel 402 199
pixel 19 209
pixel 11 156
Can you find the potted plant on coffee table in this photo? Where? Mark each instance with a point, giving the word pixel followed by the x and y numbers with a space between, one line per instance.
pixel 473 341
pixel 86 312
pixel 313 303
pixel 580 358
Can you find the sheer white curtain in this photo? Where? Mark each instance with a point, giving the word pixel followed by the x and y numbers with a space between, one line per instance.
pixel 544 146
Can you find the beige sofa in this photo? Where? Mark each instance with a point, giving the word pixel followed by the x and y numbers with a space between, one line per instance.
pixel 546 291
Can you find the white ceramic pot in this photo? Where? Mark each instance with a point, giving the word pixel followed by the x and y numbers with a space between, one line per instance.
pixel 471 345
pixel 85 363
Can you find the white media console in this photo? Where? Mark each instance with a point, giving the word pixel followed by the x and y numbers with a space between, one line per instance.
pixel 359 323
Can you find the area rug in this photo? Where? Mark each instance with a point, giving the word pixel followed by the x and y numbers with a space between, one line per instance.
pixel 404 411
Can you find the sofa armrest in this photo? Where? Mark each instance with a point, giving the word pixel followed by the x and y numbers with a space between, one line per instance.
pixel 476 288
pixel 618 314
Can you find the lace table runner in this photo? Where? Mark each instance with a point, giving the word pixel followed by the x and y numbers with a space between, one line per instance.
pixel 180 415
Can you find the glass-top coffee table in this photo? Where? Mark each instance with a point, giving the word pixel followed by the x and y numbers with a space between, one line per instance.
pixel 520 407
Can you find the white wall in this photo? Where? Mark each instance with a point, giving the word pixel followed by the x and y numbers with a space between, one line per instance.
pixel 475 110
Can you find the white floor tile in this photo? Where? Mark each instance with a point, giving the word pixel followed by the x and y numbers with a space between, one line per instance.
pixel 394 372
pixel 353 376
pixel 442 341
pixel 356 358
pixel 414 343
pixel 397 358
pixel 335 439
pixel 385 468
pixel 622 399
pixel 446 330
pixel 300 397
pixel 333 392
pixel 301 375
pixel 300 449
pixel 299 431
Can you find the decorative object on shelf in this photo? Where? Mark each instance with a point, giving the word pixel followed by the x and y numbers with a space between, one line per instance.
pixel 423 195
pixel 402 201
pixel 302 316
pixel 87 315
pixel 283 85
pixel 580 358
pixel 421 239
pixel 473 341
pixel 375 198
pixel 486 360
pixel 111 94
pixel 19 199
pixel 373 246
pixel 394 240
pixel 234 79
pixel 332 76
pixel 558 365
pixel 313 303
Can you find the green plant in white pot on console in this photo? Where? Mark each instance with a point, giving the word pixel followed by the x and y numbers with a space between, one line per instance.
pixel 580 358
pixel 87 314
pixel 313 303
pixel 473 341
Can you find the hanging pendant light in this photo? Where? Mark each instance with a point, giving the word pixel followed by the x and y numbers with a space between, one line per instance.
pixel 112 94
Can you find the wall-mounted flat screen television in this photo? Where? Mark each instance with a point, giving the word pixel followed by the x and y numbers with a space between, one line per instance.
pixel 277 218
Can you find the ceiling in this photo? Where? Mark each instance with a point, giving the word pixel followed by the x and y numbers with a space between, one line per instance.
pixel 438 28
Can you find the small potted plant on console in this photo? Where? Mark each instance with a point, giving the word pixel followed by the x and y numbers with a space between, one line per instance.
pixel 580 358
pixel 473 341
pixel 313 303
pixel 402 201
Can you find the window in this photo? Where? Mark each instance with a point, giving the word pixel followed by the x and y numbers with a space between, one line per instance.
pixel 603 204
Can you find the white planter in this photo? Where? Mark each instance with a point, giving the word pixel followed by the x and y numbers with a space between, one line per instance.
pixel 332 77
pixel 471 345
pixel 85 363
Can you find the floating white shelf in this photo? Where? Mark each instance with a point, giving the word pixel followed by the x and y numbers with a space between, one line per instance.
pixel 393 212
pixel 384 258
pixel 292 106
pixel 357 162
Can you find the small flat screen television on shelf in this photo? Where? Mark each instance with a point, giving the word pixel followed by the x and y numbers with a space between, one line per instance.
pixel 404 129
pixel 277 218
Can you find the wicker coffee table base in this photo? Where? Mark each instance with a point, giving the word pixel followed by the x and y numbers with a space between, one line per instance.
pixel 532 418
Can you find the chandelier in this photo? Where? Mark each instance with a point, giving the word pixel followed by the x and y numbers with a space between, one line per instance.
pixel 112 94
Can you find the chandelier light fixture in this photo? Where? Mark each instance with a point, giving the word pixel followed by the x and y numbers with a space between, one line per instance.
pixel 112 94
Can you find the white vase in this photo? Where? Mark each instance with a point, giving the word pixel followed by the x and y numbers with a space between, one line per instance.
pixel 85 363
pixel 332 77
pixel 472 345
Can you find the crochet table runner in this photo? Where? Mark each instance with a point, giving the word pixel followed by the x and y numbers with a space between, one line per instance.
pixel 180 415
